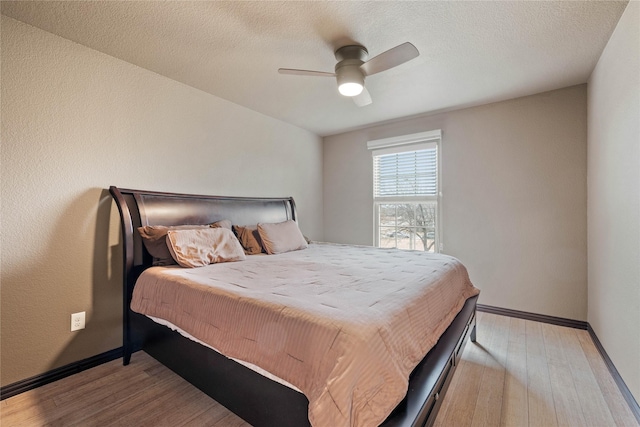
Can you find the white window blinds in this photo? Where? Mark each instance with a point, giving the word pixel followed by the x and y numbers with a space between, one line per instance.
pixel 406 167
pixel 410 173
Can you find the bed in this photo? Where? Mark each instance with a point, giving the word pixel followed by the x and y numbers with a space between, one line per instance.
pixel 258 399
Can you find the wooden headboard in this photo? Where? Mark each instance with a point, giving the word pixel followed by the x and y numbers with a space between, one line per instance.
pixel 138 208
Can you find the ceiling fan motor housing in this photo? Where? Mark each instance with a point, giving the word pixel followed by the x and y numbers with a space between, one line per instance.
pixel 348 68
pixel 351 52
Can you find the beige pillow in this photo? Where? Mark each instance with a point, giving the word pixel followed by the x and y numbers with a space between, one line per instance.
pixel 204 246
pixel 281 237
pixel 249 239
pixel 154 238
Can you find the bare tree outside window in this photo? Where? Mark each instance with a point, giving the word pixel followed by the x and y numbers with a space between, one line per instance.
pixel 408 226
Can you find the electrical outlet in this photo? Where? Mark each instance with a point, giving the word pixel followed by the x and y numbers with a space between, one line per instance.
pixel 77 321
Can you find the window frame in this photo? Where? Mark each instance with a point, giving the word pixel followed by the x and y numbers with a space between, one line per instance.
pixel 407 143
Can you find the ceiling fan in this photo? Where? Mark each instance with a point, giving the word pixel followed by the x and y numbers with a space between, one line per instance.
pixel 352 68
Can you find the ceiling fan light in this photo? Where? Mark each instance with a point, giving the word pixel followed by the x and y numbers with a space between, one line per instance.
pixel 350 80
pixel 350 89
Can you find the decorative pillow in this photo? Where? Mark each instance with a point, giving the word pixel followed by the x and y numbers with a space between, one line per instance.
pixel 281 237
pixel 249 239
pixel 204 246
pixel 154 238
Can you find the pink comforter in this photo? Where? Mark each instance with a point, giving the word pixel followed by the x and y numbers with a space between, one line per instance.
pixel 344 324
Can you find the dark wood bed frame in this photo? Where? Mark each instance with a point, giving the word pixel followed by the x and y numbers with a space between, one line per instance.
pixel 255 398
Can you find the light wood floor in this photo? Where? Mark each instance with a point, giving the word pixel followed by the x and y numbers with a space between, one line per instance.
pixel 524 373
pixel 519 373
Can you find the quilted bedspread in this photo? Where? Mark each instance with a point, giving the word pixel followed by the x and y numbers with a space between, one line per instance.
pixel 344 324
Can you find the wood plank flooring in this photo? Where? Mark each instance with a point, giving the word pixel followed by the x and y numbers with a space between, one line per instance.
pixel 519 373
pixel 524 373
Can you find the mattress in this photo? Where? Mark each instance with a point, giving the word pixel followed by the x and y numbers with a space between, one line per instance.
pixel 346 325
pixel 246 364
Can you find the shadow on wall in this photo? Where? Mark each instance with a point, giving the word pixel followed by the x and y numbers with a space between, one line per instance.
pixel 103 329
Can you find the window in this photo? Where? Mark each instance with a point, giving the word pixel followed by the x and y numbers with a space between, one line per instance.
pixel 406 191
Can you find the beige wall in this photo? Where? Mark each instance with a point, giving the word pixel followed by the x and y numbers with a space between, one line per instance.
pixel 75 121
pixel 514 196
pixel 614 198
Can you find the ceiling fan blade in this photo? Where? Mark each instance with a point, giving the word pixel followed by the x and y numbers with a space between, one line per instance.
pixel 389 59
pixel 305 72
pixel 363 99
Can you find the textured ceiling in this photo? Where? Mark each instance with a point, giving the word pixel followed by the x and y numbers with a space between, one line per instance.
pixel 471 53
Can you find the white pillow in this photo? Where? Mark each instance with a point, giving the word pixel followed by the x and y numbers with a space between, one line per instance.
pixel 204 246
pixel 281 237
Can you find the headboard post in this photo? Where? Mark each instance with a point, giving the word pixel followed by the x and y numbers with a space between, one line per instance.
pixel 126 225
